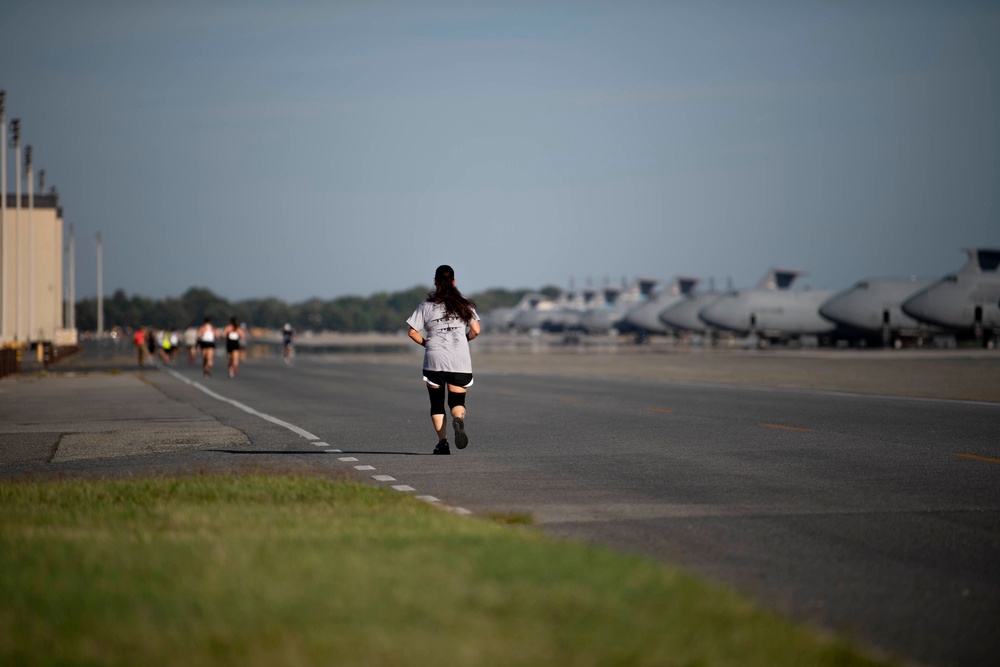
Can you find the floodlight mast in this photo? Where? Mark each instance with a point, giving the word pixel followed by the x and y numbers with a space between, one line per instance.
pixel 56 261
pixel 100 288
pixel 3 215
pixel 71 306
pixel 15 140
pixel 29 174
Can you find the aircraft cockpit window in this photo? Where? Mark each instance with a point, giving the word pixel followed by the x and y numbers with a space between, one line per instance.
pixel 989 260
pixel 951 278
pixel 863 285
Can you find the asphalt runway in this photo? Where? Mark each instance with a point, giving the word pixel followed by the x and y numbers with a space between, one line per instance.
pixel 875 516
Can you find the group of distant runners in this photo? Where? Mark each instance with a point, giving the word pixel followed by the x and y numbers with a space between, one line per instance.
pixel 165 345
pixel 233 335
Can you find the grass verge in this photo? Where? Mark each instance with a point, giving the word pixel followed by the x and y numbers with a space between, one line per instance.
pixel 264 570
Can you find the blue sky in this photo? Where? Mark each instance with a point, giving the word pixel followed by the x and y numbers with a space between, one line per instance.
pixel 303 149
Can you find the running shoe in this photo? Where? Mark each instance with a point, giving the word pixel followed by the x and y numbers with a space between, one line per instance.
pixel 442 447
pixel 461 440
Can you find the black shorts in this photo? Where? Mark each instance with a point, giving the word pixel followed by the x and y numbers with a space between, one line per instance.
pixel 206 344
pixel 232 345
pixel 441 378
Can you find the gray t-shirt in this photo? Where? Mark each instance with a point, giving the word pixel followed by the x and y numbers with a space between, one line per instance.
pixel 446 347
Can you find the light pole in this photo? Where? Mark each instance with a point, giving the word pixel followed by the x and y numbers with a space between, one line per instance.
pixel 100 289
pixel 15 140
pixel 3 215
pixel 29 174
pixel 71 307
pixel 57 264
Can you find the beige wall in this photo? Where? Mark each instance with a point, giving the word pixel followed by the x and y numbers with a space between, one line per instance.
pixel 39 280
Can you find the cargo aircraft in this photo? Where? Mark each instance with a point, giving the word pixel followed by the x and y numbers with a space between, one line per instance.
pixel 873 308
pixel 772 311
pixel 646 318
pixel 967 301
pixel 570 307
pixel 683 316
pixel 609 315
pixel 503 319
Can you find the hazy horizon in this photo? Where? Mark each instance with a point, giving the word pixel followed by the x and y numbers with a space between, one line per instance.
pixel 426 287
pixel 327 149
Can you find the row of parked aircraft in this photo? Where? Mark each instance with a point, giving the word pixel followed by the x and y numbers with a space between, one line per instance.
pixel 962 304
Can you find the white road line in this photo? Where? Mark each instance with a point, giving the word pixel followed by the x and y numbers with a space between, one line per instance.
pixel 245 408
pixel 308 436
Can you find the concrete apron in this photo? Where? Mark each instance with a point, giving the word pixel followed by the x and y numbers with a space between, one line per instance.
pixel 74 417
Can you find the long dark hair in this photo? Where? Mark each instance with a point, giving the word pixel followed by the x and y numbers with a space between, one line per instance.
pixel 445 292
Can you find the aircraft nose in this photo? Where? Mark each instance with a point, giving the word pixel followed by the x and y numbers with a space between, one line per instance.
pixel 918 306
pixel 647 317
pixel 528 320
pixel 940 304
pixel 836 310
pixel 720 314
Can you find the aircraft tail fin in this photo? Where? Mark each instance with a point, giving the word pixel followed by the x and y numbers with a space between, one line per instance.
pixel 982 260
pixel 779 279
pixel 687 284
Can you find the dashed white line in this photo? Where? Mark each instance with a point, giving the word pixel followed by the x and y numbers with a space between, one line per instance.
pixel 309 436
pixel 245 408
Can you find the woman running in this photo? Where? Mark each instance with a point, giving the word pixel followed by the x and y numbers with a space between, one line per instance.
pixel 233 335
pixel 444 324
pixel 206 343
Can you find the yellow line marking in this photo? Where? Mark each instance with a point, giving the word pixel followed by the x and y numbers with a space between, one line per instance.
pixel 978 458
pixel 659 410
pixel 788 428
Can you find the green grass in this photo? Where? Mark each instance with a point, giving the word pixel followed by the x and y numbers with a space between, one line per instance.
pixel 282 570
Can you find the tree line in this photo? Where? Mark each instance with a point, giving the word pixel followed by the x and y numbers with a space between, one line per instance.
pixel 382 312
